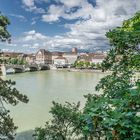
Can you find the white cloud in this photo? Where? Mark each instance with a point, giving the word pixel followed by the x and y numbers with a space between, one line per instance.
pixel 65 11
pixel 33 36
pixel 33 41
pixel 32 32
pixel 88 32
pixel 21 17
pixel 30 5
pixel 25 45
pixel 34 20
pixel 97 20
pixel 106 15
pixel 71 3
pixel 34 46
pixel 84 12
pixel 54 13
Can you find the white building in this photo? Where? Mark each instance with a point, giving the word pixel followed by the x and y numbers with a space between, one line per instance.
pixel 55 55
pixel 43 57
pixel 60 61
pixel 30 59
pixel 71 57
pixel 97 59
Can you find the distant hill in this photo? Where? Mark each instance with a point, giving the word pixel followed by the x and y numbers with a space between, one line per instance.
pixel 27 135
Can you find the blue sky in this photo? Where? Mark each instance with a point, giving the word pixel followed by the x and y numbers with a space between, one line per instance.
pixel 59 25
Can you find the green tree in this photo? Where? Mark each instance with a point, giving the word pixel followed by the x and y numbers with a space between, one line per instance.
pixel 80 64
pixel 21 62
pixel 93 65
pixel 86 64
pixel 13 61
pixel 65 123
pixel 115 113
pixel 4 34
pixel 98 66
pixel 8 94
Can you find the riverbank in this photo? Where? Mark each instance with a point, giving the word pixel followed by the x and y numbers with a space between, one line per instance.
pixel 12 69
pixel 86 70
pixel 81 70
pixel 34 69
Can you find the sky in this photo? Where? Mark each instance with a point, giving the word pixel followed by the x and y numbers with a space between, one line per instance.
pixel 59 25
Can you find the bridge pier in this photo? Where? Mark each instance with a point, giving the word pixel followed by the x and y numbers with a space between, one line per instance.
pixel 3 69
pixel 17 70
pixel 13 69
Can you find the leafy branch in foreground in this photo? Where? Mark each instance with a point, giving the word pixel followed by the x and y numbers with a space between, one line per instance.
pixel 8 94
pixel 4 34
pixel 65 123
pixel 115 114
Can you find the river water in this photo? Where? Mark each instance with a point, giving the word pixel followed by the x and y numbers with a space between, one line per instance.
pixel 45 86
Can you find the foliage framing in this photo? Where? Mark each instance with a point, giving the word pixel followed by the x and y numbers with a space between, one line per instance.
pixel 115 114
pixel 4 34
pixel 65 124
pixel 8 94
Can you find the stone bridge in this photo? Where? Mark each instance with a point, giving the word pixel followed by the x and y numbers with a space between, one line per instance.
pixel 43 67
pixel 7 69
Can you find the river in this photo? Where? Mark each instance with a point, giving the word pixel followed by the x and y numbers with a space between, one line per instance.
pixel 45 86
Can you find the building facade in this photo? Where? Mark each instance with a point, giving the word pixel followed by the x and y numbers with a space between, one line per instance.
pixel 60 61
pixel 43 57
pixel 96 58
pixel 10 54
pixel 55 55
pixel 30 59
pixel 71 57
